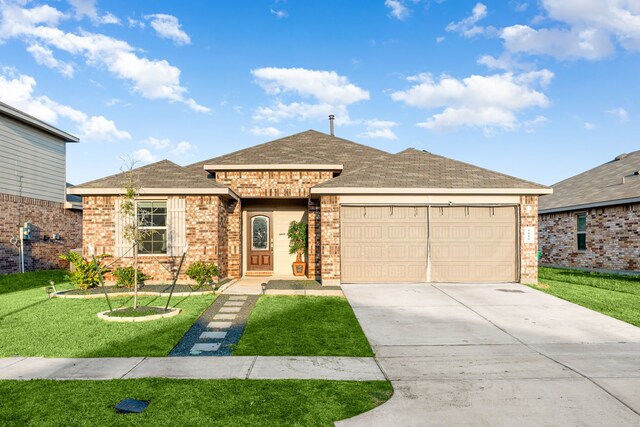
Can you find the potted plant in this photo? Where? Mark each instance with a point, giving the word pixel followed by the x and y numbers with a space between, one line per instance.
pixel 297 244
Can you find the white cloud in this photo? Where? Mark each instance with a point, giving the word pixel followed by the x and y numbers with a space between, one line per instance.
pixel 168 27
pixel 530 125
pixel 280 14
pixel 135 23
pixel 112 102
pixel 265 131
pixel 156 143
pixel 398 9
pixel 487 102
pixel 589 126
pixel 380 129
pixel 330 93
pixel 620 113
pixel 17 91
pixel 153 79
pixel 44 56
pixel 144 156
pixel 89 9
pixel 440 39
pixel 183 147
pixel 467 27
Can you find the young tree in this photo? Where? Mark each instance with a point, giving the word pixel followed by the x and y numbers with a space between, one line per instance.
pixel 132 231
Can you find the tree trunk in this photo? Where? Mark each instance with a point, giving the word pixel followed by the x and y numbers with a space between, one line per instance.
pixel 135 276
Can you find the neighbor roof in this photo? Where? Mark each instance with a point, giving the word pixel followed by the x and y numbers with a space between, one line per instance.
pixel 305 148
pixel 420 170
pixel 600 186
pixel 160 177
pixel 23 117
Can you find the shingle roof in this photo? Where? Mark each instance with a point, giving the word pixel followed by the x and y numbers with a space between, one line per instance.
pixel 419 169
pixel 599 185
pixel 162 174
pixel 306 148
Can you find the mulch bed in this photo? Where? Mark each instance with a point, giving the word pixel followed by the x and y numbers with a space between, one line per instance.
pixel 145 288
pixel 138 312
pixel 298 284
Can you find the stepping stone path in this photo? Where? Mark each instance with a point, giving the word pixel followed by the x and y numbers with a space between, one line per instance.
pixel 219 327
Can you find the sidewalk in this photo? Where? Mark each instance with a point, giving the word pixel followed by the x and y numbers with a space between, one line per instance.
pixel 216 367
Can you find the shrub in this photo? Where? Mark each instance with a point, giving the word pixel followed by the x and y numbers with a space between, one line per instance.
pixel 124 276
pixel 85 275
pixel 202 272
pixel 297 234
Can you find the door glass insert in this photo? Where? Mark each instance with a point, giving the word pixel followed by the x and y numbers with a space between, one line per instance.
pixel 260 233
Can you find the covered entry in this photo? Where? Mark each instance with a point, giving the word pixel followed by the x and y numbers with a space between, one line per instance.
pixel 436 243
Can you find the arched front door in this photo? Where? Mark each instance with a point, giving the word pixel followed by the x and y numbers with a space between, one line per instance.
pixel 260 242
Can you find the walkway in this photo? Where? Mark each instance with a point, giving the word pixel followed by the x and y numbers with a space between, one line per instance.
pixel 496 354
pixel 234 367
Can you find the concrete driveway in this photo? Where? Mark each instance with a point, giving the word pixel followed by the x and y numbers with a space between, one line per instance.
pixel 493 355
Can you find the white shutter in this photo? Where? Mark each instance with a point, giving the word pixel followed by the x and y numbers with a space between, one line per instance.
pixel 122 246
pixel 176 226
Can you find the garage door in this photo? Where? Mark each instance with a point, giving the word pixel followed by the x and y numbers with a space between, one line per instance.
pixel 473 244
pixel 383 244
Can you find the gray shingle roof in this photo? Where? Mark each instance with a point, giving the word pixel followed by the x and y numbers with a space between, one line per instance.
pixel 419 169
pixel 309 147
pixel 599 185
pixel 162 174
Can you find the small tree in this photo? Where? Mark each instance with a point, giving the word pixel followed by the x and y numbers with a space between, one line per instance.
pixel 132 231
pixel 297 238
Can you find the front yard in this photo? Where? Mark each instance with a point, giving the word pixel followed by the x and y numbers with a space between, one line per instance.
pixel 33 325
pixel 614 295
pixel 303 326
pixel 189 402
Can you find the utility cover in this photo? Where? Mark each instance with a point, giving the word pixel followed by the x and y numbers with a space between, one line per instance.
pixel 131 406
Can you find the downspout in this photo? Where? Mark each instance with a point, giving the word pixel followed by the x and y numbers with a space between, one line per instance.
pixel 428 243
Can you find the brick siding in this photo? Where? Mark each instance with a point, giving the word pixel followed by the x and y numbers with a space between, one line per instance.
pixel 314 248
pixel 528 251
pixel 46 218
pixel 234 237
pixel 273 184
pixel 330 239
pixel 613 239
pixel 204 217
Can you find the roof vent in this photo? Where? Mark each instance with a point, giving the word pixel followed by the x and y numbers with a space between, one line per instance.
pixel 331 117
pixel 620 157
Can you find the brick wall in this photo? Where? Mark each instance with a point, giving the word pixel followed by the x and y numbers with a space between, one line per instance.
pixel 204 216
pixel 272 183
pixel 528 251
pixel 47 218
pixel 613 239
pixel 234 238
pixel 314 248
pixel 330 239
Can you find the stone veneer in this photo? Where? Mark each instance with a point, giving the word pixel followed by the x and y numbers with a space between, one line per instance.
pixel 330 239
pixel 205 216
pixel 273 184
pixel 47 218
pixel 613 239
pixel 529 251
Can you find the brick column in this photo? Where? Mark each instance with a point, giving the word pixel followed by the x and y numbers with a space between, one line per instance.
pixel 314 248
pixel 234 236
pixel 330 239
pixel 529 251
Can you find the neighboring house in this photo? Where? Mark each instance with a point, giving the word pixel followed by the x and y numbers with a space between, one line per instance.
pixel 592 220
pixel 33 190
pixel 372 216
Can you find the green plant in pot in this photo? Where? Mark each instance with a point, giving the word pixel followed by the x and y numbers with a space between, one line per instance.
pixel 297 245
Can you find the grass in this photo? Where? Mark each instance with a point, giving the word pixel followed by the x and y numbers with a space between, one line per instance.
pixel 138 312
pixel 33 325
pixel 614 295
pixel 302 326
pixel 189 402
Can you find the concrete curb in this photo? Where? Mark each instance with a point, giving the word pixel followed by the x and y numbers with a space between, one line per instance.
pixel 104 316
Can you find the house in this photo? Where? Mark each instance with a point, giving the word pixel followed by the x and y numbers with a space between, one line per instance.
pixel 592 220
pixel 372 216
pixel 33 193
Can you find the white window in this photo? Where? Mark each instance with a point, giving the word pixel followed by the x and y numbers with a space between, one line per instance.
pixel 152 216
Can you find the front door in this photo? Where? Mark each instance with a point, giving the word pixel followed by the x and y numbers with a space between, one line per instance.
pixel 260 244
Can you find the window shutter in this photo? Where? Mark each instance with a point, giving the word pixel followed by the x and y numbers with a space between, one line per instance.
pixel 122 246
pixel 176 226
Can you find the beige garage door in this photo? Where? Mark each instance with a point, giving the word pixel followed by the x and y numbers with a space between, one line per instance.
pixel 383 244
pixel 473 244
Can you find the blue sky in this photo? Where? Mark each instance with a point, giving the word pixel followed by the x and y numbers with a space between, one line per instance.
pixel 537 89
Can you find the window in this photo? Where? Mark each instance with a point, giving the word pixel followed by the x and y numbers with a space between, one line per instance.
pixel 152 216
pixel 581 231
pixel 260 233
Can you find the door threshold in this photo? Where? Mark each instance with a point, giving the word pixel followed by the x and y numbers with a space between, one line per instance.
pixel 258 273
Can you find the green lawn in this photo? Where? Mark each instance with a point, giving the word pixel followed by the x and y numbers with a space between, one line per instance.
pixel 189 402
pixel 33 325
pixel 303 326
pixel 614 295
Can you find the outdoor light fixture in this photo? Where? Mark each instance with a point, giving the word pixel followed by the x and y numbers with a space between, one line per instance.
pixel 50 289
pixel 264 288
